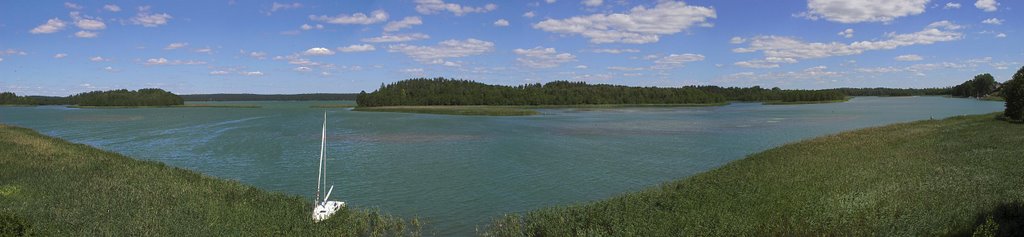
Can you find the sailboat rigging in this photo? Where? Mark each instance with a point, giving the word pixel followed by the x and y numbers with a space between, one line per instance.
pixel 323 209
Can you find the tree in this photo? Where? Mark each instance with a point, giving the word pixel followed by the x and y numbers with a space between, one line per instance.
pixel 1013 91
pixel 984 84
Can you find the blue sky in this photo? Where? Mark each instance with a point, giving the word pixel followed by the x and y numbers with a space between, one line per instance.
pixel 61 48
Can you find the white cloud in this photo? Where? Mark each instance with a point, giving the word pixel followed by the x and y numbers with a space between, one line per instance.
pixel 219 73
pixel 256 54
pixel 987 5
pixel 1001 35
pixel 203 50
pixel 357 48
pixel 174 46
pixel 539 57
pixel 529 14
pixel 147 19
pixel 993 21
pixel 677 60
pixel 434 6
pixel 318 52
pixel 550 1
pixel 86 34
pixel 1 59
pixel 620 68
pixel 87 23
pixel 951 5
pixel 640 25
pixel 98 59
pixel 356 18
pixel 396 38
pixel 581 67
pixel 60 55
pixel 406 22
pixel 920 69
pixel 110 69
pixel 74 6
pixel 164 61
pixel 845 11
pixel 51 26
pixel 111 8
pixel 787 47
pixel 848 33
pixel 770 62
pixel 501 22
pixel 284 6
pixel 310 27
pixel 302 69
pixel 812 73
pixel 615 51
pixel 443 50
pixel 737 40
pixel 592 3
pixel 254 73
pixel 909 57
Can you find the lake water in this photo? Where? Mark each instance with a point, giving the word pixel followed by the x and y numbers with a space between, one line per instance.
pixel 458 172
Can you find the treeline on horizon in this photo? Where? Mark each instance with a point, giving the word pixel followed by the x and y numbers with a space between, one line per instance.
pixel 982 85
pixel 443 91
pixel 278 97
pixel 122 97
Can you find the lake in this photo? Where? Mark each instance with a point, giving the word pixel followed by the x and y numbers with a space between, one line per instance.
pixel 458 172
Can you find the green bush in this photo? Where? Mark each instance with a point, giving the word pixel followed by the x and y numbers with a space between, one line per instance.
pixel 1013 91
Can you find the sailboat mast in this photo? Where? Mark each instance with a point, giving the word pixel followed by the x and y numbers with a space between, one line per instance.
pixel 320 169
pixel 323 143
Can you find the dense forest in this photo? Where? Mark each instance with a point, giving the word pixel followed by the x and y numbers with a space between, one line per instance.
pixel 257 97
pixel 441 91
pixel 981 86
pixel 141 97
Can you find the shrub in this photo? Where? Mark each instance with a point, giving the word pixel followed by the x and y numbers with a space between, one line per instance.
pixel 1013 91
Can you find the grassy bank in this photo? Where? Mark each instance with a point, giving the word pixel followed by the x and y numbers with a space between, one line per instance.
pixel 933 177
pixel 170 106
pixel 57 188
pixel 454 110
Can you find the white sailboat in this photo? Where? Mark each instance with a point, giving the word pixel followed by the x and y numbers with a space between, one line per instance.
pixel 324 208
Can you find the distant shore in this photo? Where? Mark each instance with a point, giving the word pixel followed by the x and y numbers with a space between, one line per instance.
pixel 170 106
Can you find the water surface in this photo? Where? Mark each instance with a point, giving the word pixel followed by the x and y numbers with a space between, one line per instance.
pixel 458 172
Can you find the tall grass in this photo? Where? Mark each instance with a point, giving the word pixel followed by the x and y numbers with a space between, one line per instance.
pixel 57 188
pixel 930 177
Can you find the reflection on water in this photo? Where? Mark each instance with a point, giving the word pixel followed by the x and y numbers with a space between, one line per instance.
pixel 458 172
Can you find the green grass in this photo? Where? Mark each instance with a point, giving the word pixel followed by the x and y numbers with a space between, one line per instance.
pixel 454 110
pixel 57 188
pixel 932 177
pixel 170 106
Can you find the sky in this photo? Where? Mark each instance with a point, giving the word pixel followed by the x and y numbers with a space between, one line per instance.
pixel 60 48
